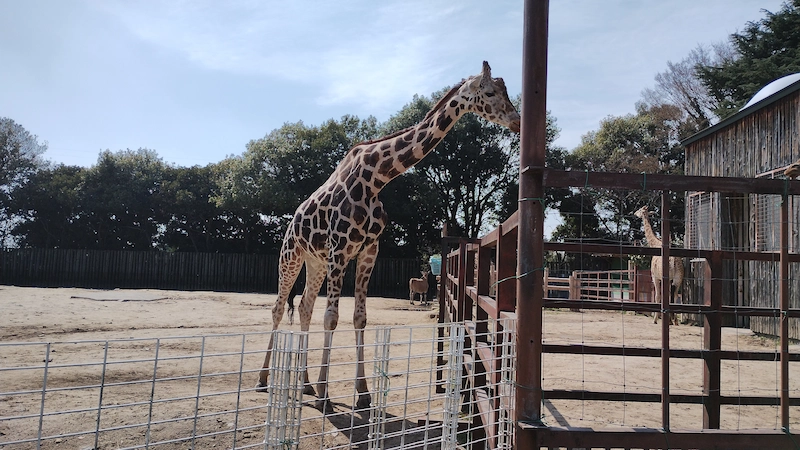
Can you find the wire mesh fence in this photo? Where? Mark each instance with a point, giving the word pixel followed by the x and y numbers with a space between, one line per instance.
pixel 197 392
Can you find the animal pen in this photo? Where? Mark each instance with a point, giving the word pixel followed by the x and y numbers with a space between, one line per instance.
pixel 512 368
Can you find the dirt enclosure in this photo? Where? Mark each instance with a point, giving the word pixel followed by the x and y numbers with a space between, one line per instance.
pixel 210 346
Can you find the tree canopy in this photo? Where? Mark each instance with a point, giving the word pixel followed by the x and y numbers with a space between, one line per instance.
pixel 20 158
pixel 764 51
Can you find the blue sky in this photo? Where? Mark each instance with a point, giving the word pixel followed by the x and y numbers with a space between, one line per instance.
pixel 196 80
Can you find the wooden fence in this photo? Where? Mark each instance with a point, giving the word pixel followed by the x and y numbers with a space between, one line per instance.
pixel 104 269
pixel 627 284
pixel 465 295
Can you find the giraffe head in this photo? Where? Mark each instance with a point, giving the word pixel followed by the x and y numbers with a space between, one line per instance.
pixel 487 97
pixel 642 212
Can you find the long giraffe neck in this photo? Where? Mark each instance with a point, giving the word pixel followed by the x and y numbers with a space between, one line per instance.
pixel 384 159
pixel 652 239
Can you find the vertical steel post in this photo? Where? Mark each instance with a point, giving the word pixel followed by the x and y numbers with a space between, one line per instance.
pixel 530 237
pixel 666 287
pixel 712 341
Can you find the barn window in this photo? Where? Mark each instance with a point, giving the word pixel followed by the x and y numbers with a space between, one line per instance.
pixel 767 218
pixel 701 233
pixel 767 222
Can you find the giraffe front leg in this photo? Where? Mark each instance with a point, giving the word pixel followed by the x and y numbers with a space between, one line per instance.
pixel 656 297
pixel 674 316
pixel 336 266
pixel 366 262
pixel 315 276
pixel 364 399
pixel 323 402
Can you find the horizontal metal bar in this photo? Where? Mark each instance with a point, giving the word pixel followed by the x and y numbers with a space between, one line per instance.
pixel 648 307
pixel 565 394
pixel 134 339
pixel 663 182
pixel 611 249
pixel 582 349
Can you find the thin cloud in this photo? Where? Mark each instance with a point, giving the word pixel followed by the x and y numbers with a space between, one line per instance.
pixel 393 50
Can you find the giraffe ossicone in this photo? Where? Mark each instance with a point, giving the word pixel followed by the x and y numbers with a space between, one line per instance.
pixel 343 219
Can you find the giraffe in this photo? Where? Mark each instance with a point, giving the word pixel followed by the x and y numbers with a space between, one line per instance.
pixel 656 265
pixel 344 218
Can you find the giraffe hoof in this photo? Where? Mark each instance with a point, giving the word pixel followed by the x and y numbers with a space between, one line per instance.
pixel 261 387
pixel 364 401
pixel 324 406
pixel 309 390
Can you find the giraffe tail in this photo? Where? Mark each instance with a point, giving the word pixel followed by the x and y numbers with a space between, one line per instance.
pixel 290 303
pixel 290 312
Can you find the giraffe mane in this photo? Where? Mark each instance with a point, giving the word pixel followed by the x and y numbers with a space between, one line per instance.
pixel 430 113
pixel 444 99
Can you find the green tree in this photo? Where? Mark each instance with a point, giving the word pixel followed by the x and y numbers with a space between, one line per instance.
pixel 277 172
pixel 20 158
pixel 194 222
pixel 120 199
pixel 645 142
pixel 50 211
pixel 240 224
pixel 765 50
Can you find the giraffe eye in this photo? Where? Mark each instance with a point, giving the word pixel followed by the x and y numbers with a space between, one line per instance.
pixel 490 94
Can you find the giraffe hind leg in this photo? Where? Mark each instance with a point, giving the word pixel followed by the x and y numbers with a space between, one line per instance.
pixel 291 261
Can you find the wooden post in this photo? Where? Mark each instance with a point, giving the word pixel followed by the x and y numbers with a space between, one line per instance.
pixel 530 237
pixel 506 258
pixel 462 279
pixel 482 286
pixel 443 313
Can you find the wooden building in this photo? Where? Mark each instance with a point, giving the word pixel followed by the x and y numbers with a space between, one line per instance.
pixel 758 141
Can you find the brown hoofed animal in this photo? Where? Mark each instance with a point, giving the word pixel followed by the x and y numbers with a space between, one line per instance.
pixel 419 286
pixel 343 219
pixel 656 265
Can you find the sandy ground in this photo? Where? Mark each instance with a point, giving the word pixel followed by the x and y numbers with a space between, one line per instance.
pixel 231 325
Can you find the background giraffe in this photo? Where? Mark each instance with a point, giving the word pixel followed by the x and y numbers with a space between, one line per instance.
pixel 656 265
pixel 344 218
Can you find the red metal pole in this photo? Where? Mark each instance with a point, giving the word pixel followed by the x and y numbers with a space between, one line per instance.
pixel 530 237
pixel 712 341
pixel 665 308
pixel 784 299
